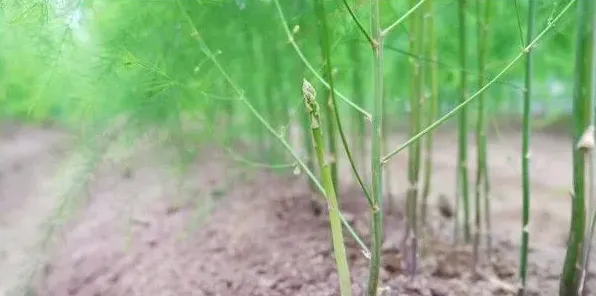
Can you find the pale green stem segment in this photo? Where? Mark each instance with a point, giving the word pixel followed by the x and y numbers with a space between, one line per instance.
pixel 339 249
pixel 402 18
pixel 525 157
pixel 591 186
pixel 462 125
pixel 582 143
pixel 330 109
pixel 376 146
pixel 483 10
pixel 433 105
pixel 416 93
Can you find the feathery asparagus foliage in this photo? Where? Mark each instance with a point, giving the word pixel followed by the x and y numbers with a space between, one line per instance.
pixel 146 60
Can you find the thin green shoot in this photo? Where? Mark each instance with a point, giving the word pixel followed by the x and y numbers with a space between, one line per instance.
pixel 462 157
pixel 519 25
pixel 433 105
pixel 400 20
pixel 339 248
pixel 376 147
pixel 525 157
pixel 416 93
pixel 358 23
pixel 482 15
pixel 329 107
pixel 582 132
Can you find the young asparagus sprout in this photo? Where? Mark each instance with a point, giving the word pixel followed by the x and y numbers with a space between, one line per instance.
pixel 341 260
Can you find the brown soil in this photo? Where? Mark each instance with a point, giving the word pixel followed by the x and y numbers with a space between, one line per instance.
pixel 228 230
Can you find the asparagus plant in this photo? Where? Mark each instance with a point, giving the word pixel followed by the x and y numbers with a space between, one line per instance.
pixel 582 120
pixel 525 157
pixel 376 146
pixel 339 250
pixel 480 128
pixel 433 103
pixel 416 93
pixel 462 160
pixel 483 13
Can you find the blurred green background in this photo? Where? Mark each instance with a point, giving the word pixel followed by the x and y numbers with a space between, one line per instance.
pixel 84 64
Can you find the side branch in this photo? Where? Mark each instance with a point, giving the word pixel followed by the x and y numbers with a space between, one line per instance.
pixel 359 24
pixel 310 67
pixel 402 19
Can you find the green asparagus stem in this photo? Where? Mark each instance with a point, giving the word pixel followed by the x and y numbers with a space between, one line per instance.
pixel 376 139
pixel 525 157
pixel 339 249
pixel 433 105
pixel 582 119
pixel 462 160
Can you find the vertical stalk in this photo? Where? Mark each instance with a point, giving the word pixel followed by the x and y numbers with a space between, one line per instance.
pixel 582 111
pixel 416 35
pixel 376 139
pixel 479 130
pixel 387 170
pixel 330 93
pixel 335 111
pixel 339 250
pixel 457 208
pixel 433 105
pixel 525 157
pixel 487 200
pixel 462 123
pixel 591 134
pixel 483 10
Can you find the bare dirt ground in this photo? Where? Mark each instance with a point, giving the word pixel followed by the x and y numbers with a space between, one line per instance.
pixel 221 229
